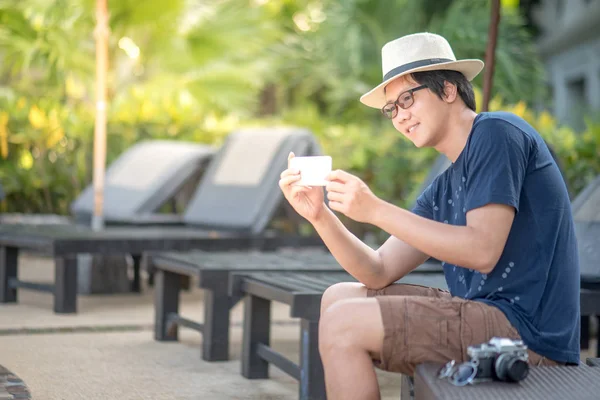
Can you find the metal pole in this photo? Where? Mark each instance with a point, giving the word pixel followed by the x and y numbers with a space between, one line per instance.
pixel 101 34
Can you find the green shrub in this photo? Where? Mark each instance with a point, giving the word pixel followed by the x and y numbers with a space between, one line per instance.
pixel 46 148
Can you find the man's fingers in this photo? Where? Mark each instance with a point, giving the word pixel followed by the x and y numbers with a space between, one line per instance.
pixel 339 175
pixel 290 156
pixel 333 196
pixel 288 172
pixel 288 180
pixel 335 206
pixel 298 189
pixel 335 187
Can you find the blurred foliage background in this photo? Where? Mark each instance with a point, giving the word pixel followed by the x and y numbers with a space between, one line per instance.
pixel 195 70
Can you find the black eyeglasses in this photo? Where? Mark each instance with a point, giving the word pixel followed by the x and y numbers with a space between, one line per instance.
pixel 459 374
pixel 405 100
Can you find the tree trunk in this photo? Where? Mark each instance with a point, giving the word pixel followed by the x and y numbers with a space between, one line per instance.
pixel 268 101
pixel 490 53
pixel 101 273
pixel 101 33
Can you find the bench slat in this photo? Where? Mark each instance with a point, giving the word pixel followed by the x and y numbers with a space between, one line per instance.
pixel 324 280
pixel 559 382
pixel 247 261
pixel 296 285
pixel 299 282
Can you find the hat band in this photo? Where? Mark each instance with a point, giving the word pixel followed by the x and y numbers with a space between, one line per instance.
pixel 415 64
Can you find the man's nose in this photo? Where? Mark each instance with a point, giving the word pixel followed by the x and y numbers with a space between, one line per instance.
pixel 402 115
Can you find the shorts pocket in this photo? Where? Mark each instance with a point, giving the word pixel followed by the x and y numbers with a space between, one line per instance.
pixel 474 328
pixel 432 322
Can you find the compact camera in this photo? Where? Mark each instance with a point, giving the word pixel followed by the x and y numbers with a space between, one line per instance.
pixel 500 359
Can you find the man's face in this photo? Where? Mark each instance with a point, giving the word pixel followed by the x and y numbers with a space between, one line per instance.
pixel 422 121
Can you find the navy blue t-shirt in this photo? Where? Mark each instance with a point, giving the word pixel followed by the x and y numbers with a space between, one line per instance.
pixel 536 280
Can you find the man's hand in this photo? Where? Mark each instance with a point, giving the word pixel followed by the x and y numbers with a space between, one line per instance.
pixel 307 201
pixel 351 196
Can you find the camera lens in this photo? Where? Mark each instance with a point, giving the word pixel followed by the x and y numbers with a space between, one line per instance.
pixel 517 370
pixel 511 368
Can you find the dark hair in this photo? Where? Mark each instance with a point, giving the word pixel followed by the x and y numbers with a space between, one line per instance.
pixel 434 80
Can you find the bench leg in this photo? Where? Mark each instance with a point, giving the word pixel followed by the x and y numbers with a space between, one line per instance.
pixel 65 284
pixel 257 322
pixel 9 257
pixel 166 301
pixel 312 377
pixel 151 278
pixel 136 283
pixel 215 337
pixel 598 336
pixel 585 332
pixel 407 391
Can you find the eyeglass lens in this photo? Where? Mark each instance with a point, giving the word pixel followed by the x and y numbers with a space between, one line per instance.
pixel 463 374
pixel 405 100
pixel 447 370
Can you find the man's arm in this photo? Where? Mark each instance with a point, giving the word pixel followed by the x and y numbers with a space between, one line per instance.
pixel 478 245
pixel 398 259
pixel 373 268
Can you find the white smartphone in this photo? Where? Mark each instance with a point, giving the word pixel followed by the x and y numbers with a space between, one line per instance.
pixel 313 169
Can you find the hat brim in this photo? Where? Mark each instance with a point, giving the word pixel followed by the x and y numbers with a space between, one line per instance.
pixel 470 68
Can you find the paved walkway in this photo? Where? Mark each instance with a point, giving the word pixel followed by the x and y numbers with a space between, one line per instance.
pixel 107 350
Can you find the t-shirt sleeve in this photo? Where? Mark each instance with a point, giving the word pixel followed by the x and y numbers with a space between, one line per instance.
pixel 424 206
pixel 497 164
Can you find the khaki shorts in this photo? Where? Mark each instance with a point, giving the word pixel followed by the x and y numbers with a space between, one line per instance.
pixel 423 324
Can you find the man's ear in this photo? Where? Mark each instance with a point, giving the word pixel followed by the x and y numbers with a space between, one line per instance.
pixel 450 92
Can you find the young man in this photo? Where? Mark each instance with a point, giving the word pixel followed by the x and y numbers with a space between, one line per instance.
pixel 499 217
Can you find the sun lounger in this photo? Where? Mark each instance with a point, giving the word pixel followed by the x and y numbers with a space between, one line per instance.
pixel 586 213
pixel 231 208
pixel 137 184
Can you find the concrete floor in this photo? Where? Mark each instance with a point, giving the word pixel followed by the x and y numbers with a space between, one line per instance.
pixel 107 350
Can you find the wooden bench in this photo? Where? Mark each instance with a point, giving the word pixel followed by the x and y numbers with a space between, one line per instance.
pixel 302 291
pixel 593 362
pixel 64 243
pixel 590 307
pixel 586 216
pixel 213 270
pixel 408 383
pixel 544 383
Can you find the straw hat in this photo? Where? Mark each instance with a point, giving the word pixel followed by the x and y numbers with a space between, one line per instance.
pixel 414 53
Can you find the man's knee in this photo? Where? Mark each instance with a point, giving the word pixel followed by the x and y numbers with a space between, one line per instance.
pixel 341 291
pixel 336 326
pixel 351 324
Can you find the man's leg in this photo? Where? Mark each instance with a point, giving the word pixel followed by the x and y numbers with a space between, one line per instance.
pixel 342 291
pixel 349 349
pixel 354 290
pixel 351 333
pixel 403 326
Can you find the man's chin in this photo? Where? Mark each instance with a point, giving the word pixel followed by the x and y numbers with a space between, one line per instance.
pixel 413 140
pixel 418 142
